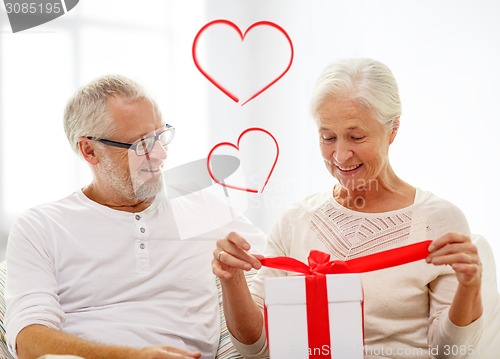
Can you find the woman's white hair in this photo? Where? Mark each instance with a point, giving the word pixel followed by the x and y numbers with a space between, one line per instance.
pixel 362 79
pixel 86 114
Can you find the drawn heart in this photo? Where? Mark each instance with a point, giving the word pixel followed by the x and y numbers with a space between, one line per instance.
pixel 237 147
pixel 221 87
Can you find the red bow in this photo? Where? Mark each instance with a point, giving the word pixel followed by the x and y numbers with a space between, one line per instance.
pixel 319 262
pixel 316 291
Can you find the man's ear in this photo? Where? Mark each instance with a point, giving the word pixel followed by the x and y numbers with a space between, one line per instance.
pixel 87 150
pixel 394 131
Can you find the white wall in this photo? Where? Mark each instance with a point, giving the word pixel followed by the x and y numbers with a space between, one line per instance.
pixel 444 55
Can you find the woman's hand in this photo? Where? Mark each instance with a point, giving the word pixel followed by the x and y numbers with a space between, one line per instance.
pixel 458 251
pixel 231 257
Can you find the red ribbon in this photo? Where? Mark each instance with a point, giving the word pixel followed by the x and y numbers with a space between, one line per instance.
pixel 316 290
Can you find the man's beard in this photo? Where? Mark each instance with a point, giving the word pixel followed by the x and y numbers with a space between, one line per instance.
pixel 131 187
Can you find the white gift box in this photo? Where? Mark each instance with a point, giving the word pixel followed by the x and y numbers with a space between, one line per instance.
pixel 285 300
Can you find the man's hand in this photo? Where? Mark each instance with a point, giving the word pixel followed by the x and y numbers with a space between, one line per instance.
pixel 166 353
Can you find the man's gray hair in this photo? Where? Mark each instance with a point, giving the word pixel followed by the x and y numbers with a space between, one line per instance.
pixel 362 79
pixel 86 114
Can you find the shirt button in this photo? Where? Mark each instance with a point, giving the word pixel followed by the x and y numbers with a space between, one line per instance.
pixel 143 229
pixel 137 217
pixel 142 246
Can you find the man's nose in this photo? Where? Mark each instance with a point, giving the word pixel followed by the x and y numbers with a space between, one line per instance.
pixel 158 152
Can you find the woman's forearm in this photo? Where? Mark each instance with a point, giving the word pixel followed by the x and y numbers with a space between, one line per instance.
pixel 466 307
pixel 243 316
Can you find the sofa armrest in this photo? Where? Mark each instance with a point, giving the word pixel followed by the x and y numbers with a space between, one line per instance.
pixel 4 353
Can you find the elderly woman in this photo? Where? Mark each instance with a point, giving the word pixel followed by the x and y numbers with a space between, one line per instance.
pixel 432 304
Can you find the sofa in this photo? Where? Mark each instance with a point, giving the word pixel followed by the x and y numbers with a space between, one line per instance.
pixel 488 347
pixel 226 349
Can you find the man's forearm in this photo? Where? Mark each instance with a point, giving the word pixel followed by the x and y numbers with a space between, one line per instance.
pixel 37 340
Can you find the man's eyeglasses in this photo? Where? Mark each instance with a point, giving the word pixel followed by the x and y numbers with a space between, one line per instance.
pixel 145 145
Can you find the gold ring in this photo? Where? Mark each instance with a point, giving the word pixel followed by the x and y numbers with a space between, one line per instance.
pixel 221 252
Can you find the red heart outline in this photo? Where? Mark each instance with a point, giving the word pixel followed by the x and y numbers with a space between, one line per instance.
pixel 237 147
pixel 242 36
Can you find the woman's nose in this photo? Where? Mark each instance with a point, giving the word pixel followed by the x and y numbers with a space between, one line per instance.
pixel 342 153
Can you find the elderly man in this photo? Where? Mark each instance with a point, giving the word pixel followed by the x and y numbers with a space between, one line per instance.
pixel 104 273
